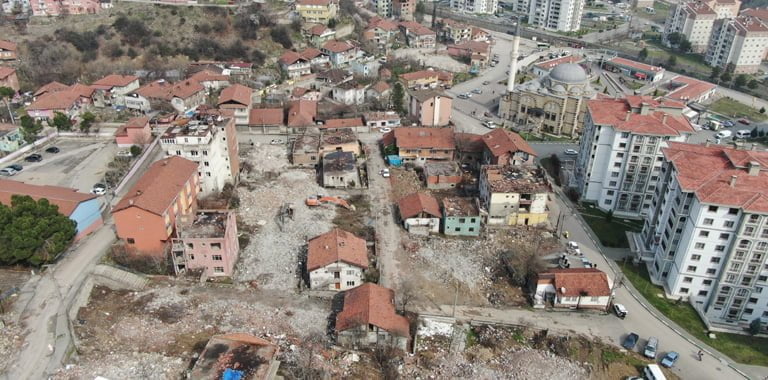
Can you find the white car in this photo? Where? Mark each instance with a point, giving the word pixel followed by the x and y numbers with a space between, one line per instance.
pixel 99 189
pixel 275 142
pixel 385 130
pixel 723 134
pixel 124 153
pixel 384 173
pixel 7 172
pixel 571 152
pixel 489 125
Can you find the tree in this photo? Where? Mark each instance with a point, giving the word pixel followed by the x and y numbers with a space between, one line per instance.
pixel 754 326
pixel 762 109
pixel 398 94
pixel 685 45
pixel 30 128
pixel 726 76
pixel 643 54
pixel 752 84
pixel 675 38
pixel 34 232
pixel 6 94
pixel 418 13
pixel 135 150
pixel 609 216
pixel 406 292
pixel 61 121
pixel 281 35
pixel 672 61
pixel 332 23
pixel 716 71
pixel 741 81
pixel 86 121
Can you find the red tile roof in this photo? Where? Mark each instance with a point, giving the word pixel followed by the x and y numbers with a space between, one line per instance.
pixel 7 45
pixel 410 138
pixel 416 28
pixel 208 76
pixel 709 172
pixel 416 203
pixel 380 87
pixel 60 100
pixel 236 93
pixel 317 30
pixel 416 75
pixel 159 89
pixel 114 80
pixel 186 88
pixel 311 53
pixel 337 46
pixel 6 71
pixel 469 142
pixel 550 64
pixel 344 123
pixel 336 246
pixel 82 90
pixel 382 23
pixel 502 141
pixel 50 87
pixel 624 115
pixel 290 57
pixel 575 282
pixel 136 122
pixel 65 198
pixel 266 116
pixel 691 89
pixel 372 304
pixel 761 13
pixel 636 65
pixel 749 24
pixel 302 113
pixel 157 189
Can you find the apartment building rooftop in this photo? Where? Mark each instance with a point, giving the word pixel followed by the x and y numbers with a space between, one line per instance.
pixel 749 24
pixel 159 185
pixel 721 175
pixel 193 128
pixel 641 115
pixel 699 8
pixel 510 179
pixel 207 224
pixel 456 206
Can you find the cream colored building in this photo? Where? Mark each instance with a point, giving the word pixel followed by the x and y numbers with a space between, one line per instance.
pixel 515 196
pixel 554 104
pixel 317 11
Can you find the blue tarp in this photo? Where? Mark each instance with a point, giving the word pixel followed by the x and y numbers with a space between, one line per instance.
pixel 395 160
pixel 232 374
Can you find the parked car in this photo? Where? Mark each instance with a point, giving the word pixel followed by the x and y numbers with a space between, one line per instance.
pixel 651 347
pixel 275 142
pixel 489 125
pixel 485 83
pixel 33 158
pixel 463 96
pixel 744 121
pixel 620 310
pixel 385 130
pixel 669 359
pixel 728 124
pixel 571 152
pixel 384 173
pixel 743 133
pixel 99 189
pixel 7 172
pixel 723 134
pixel 52 149
pixel 630 341
pixel 16 167
pixel 585 261
pixel 124 153
pixel 477 91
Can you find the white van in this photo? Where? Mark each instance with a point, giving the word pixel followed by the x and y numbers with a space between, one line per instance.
pixel 723 134
pixel 743 133
pixel 653 372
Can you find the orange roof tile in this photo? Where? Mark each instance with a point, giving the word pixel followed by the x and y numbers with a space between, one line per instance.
pixel 114 80
pixel 636 65
pixel 416 203
pixel 208 76
pixel 690 89
pixel 317 30
pixel 65 198
pixel 136 122
pixel 82 90
pixel 421 74
pixel 290 57
pixel 336 246
pixel 50 87
pixel 7 45
pixel 502 141
pixel 575 282
pixel 337 46
pixel 236 93
pixel 410 137
pixel 623 115
pixel 266 116
pixel 344 123
pixel 186 88
pixel 302 113
pixel 156 190
pixel 6 71
pixel 159 89
pixel 60 100
pixel 372 304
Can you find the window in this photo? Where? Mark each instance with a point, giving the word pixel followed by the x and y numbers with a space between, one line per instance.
pixel 624 135
pixel 614 174
pixel 684 290
pixel 748 311
pixel 218 269
pixel 708 221
pixel 216 246
pixel 217 258
pixel 688 279
pixel 703 293
pixel 609 192
pixel 691 268
pixel 695 257
pixel 336 274
pixel 703 233
pixel 130 240
pixel 350 272
pixel 706 282
pixel 711 271
pixel 612 183
pixel 712 209
pixel 720 248
pixel 699 246
pixel 733 211
pixel 725 236
pixel 728 224
pixel 752 300
pixel 350 283
pixel 617 164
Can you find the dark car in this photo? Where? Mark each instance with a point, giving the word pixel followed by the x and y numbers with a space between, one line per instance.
pixel 630 341
pixel 34 158
pixel 16 167
pixel 53 149
pixel 744 121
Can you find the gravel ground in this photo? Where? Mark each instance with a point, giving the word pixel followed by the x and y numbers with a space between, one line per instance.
pixel 429 58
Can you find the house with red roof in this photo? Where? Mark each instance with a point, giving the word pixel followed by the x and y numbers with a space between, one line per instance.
pixel 266 120
pixel 688 90
pixel 112 89
pixel 49 87
pixel 237 98
pixel 69 102
pixel 211 79
pixel 135 131
pixel 82 208
pixel 417 35
pixel 166 195
pixel 369 319
pixel 294 65
pixel 181 96
pixel 336 260
pixel 503 147
pixel 340 53
pixel 8 78
pixel 573 288
pixel 380 31
pixel 302 114
pixel 420 213
pixel 319 34
pixel 422 144
pixel 8 51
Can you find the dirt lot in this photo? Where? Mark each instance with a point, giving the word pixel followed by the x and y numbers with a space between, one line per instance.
pixel 437 58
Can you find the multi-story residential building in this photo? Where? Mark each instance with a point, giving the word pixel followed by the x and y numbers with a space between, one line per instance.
pixel 742 41
pixel 461 216
pixel 559 15
pixel 519 6
pixel 725 8
pixel 336 260
pixel 706 237
pixel 383 7
pixel 403 9
pixel 381 31
pixel 68 101
pixel 8 78
pixel 692 19
pixel 475 6
pixel 237 98
pixel 294 65
pixel 8 51
pixel 340 53
pixel 453 31
pixel 760 13
pixel 320 34
pixel 430 107
pixel 350 93
pixel 212 145
pixel 317 11
pixel 422 144
pixel 503 147
pixel 208 243
pixel 135 131
pixel 16 6
pixel 619 161
pixel 417 35
pixel 513 195
pixel 147 216
pixel 160 94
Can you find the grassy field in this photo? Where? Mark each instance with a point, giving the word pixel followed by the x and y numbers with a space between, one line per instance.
pixel 611 233
pixel 732 108
pixel 660 54
pixel 741 348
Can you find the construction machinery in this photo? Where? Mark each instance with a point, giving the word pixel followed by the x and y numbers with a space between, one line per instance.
pixel 317 200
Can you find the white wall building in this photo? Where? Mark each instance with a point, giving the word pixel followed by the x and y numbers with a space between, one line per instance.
pixel 475 6
pixel 742 41
pixel 619 161
pixel 706 237
pixel 692 19
pixel 336 260
pixel 573 288
pixel 212 145
pixel 560 15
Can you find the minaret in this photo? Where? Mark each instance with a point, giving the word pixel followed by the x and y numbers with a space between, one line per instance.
pixel 513 64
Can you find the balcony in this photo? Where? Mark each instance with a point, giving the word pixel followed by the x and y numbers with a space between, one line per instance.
pixel 638 247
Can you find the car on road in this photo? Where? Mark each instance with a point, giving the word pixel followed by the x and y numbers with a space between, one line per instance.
pixel 52 149
pixel 463 96
pixel 384 172
pixel 585 261
pixel 743 133
pixel 489 125
pixel 573 248
pixel 669 359
pixel 275 142
pixel 651 347
pixel 723 134
pixel 99 189
pixel 485 83
pixel 620 310
pixel 630 341
pixel 7 172
pixel 477 91
pixel 571 152
pixel 728 124
pixel 16 167
pixel 744 121
pixel 33 158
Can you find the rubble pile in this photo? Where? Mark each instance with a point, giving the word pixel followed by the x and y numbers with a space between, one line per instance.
pixel 133 365
pixel 452 260
pixel 10 342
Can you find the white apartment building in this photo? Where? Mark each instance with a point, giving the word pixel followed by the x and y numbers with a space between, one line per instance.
pixel 383 8
pixel 475 6
pixel 210 143
pixel 706 236
pixel 742 41
pixel 559 15
pixel 619 161
pixel 694 20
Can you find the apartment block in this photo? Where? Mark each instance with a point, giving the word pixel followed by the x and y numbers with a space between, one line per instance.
pixel 431 108
pixel 706 237
pixel 403 9
pixel 383 8
pixel 619 161
pixel 515 196
pixel 208 244
pixel 212 144
pixel 559 15
pixel 475 6
pixel 318 11
pixel 742 41
pixel 694 20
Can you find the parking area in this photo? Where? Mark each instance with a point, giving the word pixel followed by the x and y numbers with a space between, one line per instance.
pixel 79 164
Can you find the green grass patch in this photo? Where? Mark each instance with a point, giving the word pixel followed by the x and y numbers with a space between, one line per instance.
pixel 471 338
pixel 741 348
pixel 632 85
pixel 612 233
pixel 731 108
pixel 690 61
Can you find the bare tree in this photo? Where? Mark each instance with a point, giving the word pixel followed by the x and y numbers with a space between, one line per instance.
pixel 406 293
pixel 387 359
